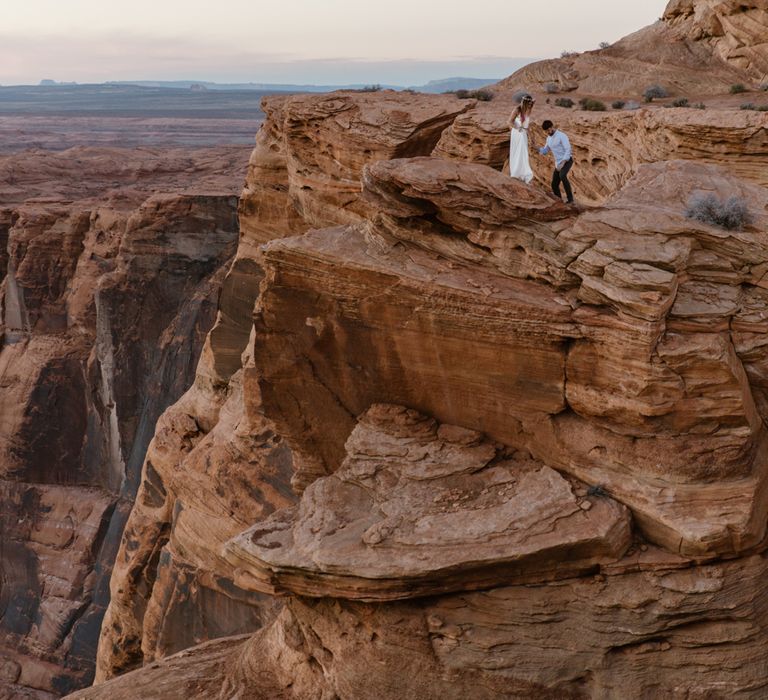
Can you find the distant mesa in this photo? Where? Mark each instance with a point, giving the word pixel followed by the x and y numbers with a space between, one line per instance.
pixel 47 82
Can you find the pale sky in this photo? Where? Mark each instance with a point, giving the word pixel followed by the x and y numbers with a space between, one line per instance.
pixel 310 41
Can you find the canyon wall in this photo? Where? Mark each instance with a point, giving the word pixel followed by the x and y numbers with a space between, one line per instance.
pixel 108 292
pixel 449 437
pixel 504 420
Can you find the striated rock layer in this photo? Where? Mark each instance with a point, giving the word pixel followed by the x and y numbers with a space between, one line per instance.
pixel 420 509
pixel 216 462
pixel 526 442
pixel 108 290
pixel 698 47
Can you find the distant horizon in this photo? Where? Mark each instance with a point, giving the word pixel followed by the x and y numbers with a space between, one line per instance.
pixel 52 82
pixel 336 42
pixel 401 73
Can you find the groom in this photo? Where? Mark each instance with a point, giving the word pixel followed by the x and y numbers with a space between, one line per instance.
pixel 560 147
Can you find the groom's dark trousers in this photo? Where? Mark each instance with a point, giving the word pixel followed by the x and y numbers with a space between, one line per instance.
pixel 562 176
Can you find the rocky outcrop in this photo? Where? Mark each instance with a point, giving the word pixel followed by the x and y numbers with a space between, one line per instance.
pixel 419 509
pixel 478 443
pixel 647 627
pixel 596 344
pixel 108 291
pixel 696 48
pixel 609 148
pixel 216 460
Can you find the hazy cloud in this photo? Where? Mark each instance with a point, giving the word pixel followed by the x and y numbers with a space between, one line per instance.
pixel 400 41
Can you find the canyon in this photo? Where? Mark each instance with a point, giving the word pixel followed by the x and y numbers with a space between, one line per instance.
pixel 391 424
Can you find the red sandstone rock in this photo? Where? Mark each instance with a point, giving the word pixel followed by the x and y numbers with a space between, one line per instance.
pixel 108 289
pixel 622 345
pixel 698 47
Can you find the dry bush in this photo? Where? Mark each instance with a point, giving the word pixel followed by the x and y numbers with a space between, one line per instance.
pixel 732 214
pixel 591 105
pixel 566 102
pixel 655 92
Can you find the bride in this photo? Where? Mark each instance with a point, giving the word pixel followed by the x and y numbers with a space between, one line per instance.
pixel 519 121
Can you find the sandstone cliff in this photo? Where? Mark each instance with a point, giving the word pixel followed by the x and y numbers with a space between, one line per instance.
pixel 449 438
pixel 108 291
pixel 698 47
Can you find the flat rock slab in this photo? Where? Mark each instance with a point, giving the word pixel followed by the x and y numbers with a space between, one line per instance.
pixel 418 508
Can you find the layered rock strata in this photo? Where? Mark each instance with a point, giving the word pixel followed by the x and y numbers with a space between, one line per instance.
pixel 108 291
pixel 420 509
pixel 216 462
pixel 610 357
pixel 600 342
pixel 609 148
pixel 696 48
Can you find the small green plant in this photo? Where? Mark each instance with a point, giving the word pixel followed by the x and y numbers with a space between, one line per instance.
pixel 566 102
pixel 737 89
pixel 591 105
pixel 655 92
pixel 605 44
pixel 748 106
pixel 681 102
pixel 732 214
pixel 618 104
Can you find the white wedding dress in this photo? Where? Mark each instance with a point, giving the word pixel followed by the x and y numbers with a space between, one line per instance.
pixel 519 165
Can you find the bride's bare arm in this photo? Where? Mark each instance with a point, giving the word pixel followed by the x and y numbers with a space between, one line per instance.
pixel 514 114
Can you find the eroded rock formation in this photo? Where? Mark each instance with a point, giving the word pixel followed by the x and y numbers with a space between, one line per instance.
pixel 526 442
pixel 698 47
pixel 108 291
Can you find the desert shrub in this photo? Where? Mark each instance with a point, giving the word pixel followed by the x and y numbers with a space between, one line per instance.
pixel 568 54
pixel 681 102
pixel 655 92
pixel 410 91
pixel 370 88
pixel 591 105
pixel 551 88
pixel 748 106
pixel 618 104
pixel 482 95
pixel 632 105
pixel 699 105
pixel 731 214
pixel 762 108
pixel 566 102
pixel 605 44
pixel 737 89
